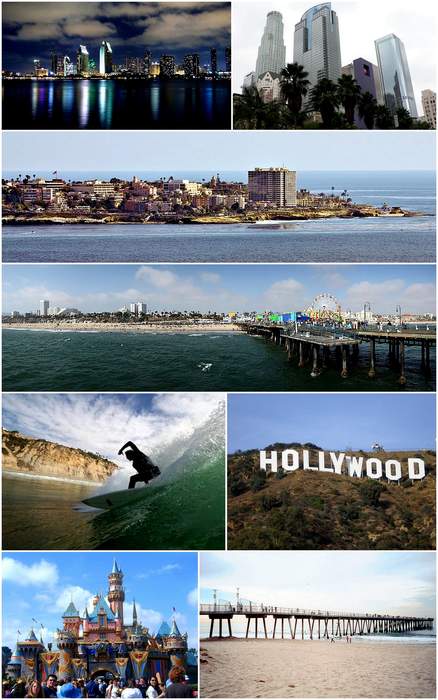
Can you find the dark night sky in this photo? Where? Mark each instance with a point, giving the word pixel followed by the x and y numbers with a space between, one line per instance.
pixel 35 29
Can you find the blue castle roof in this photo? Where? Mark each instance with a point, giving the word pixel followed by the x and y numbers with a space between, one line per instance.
pixel 164 630
pixel 71 611
pixel 100 608
pixel 174 632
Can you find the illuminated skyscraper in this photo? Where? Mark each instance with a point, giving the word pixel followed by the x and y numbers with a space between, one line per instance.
pixel 147 59
pixel 167 66
pixel 316 44
pixel 105 58
pixel 191 65
pixel 82 60
pixel 228 59
pixel 213 62
pixel 272 51
pixel 395 75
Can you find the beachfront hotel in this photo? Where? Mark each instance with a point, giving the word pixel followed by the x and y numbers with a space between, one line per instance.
pixel 277 186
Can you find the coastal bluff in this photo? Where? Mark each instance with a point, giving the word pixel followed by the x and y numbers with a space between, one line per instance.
pixel 38 457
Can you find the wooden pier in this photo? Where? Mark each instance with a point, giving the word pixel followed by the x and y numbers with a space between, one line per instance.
pixel 319 624
pixel 316 347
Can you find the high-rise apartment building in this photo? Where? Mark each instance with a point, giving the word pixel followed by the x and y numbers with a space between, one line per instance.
pixel 228 59
pixel 364 72
pixel 316 44
pixel 428 100
pixel 44 307
pixel 82 60
pixel 272 50
pixel 147 60
pixel 395 75
pixel 191 65
pixel 138 308
pixel 167 66
pixel 276 186
pixel 213 62
pixel 105 58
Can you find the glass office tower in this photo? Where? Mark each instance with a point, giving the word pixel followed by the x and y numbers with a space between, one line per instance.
pixel 395 75
pixel 272 51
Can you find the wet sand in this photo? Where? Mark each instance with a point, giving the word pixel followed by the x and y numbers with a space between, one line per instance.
pixel 252 668
pixel 163 327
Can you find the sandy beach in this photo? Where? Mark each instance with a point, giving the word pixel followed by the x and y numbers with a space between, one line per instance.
pixel 82 326
pixel 261 668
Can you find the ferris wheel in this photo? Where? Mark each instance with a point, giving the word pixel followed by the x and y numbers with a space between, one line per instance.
pixel 325 306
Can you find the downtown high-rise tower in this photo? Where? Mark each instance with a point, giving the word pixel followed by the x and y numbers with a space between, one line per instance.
pixel 395 75
pixel 272 50
pixel 316 44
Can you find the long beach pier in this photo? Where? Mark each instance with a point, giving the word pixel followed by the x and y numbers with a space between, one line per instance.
pixel 318 623
pixel 316 347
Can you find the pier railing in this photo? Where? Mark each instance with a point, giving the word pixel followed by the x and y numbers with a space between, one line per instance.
pixel 244 609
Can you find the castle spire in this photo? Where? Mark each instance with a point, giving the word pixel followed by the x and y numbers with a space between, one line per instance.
pixel 134 615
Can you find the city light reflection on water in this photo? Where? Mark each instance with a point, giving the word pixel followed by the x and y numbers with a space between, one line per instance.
pixel 114 104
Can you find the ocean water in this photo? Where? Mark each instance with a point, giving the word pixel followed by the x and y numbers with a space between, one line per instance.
pixel 391 239
pixel 35 360
pixel 183 511
pixel 116 104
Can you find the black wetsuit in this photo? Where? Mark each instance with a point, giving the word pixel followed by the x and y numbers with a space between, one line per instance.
pixel 145 467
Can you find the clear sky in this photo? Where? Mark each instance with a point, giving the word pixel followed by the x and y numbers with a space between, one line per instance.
pixel 360 24
pixel 219 287
pixel 331 421
pixel 160 424
pixel 382 582
pixel 47 151
pixel 40 585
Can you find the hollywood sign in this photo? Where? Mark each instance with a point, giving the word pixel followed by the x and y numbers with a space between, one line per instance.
pixel 340 463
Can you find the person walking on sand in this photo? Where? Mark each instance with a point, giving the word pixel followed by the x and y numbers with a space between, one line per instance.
pixel 145 467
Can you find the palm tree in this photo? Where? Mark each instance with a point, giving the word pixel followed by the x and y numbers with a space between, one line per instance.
pixel 325 99
pixel 349 93
pixel 250 112
pixel 384 118
pixel 367 109
pixel 294 86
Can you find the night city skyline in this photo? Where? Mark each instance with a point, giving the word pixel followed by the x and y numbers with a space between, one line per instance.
pixel 34 31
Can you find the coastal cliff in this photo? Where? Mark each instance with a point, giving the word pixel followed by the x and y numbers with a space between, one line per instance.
pixel 37 457
pixel 311 510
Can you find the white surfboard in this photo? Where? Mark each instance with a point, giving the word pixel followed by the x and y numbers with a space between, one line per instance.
pixel 115 499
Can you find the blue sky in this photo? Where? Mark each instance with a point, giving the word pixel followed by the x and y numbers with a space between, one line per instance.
pixel 331 421
pixel 384 582
pixel 159 424
pixel 40 585
pixel 219 287
pixel 30 152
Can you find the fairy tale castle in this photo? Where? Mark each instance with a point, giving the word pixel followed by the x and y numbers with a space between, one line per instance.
pixel 100 643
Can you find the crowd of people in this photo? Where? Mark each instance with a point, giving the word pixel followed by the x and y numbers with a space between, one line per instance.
pixel 176 686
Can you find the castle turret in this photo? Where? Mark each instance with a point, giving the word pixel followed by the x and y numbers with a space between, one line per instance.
pixel 14 665
pixel 134 615
pixel 72 619
pixel 116 593
pixel 85 621
pixel 29 649
pixel 175 644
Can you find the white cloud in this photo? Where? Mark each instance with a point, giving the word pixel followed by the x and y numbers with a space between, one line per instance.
pixel 147 616
pixel 211 277
pixel 80 597
pixel 285 294
pixel 192 597
pixel 42 573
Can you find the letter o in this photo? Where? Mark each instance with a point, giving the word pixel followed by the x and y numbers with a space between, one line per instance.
pixel 285 460
pixel 393 470
pixel 374 468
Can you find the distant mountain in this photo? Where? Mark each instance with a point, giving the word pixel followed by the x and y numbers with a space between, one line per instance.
pixel 312 510
pixel 38 457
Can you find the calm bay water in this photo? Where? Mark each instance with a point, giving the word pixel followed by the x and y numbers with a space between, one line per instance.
pixel 107 361
pixel 116 104
pixel 389 239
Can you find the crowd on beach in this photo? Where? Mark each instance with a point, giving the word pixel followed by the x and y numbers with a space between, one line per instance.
pixel 176 686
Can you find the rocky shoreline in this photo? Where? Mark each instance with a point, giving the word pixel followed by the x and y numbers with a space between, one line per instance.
pixel 304 214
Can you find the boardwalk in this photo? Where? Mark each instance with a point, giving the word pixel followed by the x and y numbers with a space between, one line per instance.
pixel 316 346
pixel 318 623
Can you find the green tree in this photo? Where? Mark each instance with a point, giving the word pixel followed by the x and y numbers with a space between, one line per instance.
pixel 294 86
pixel 349 94
pixel 367 108
pixel 370 492
pixel 250 112
pixel 325 100
pixel 384 118
pixel 404 119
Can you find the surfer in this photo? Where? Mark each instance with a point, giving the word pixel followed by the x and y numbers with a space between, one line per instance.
pixel 146 469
